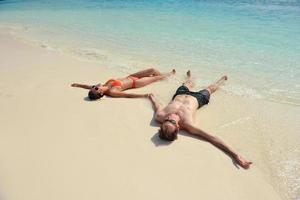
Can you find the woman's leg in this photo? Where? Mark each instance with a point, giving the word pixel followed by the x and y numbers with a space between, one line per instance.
pixel 143 81
pixel 146 73
pixel 213 87
pixel 147 80
pixel 151 72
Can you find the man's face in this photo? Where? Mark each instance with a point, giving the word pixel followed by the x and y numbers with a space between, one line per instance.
pixel 170 128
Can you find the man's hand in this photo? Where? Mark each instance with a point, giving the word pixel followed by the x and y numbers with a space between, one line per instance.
pixel 243 162
pixel 147 95
pixel 150 96
pixel 156 105
pixel 74 85
pixel 218 143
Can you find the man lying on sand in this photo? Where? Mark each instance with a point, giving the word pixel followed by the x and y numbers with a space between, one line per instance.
pixel 180 112
pixel 115 87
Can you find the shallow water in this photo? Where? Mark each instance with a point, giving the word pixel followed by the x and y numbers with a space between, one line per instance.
pixel 257 44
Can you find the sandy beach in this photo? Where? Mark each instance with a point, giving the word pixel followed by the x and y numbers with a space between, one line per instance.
pixel 55 144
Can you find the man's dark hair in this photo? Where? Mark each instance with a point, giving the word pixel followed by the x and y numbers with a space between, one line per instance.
pixel 94 96
pixel 167 136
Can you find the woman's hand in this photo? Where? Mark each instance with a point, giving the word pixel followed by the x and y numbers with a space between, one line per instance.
pixel 88 87
pixel 74 85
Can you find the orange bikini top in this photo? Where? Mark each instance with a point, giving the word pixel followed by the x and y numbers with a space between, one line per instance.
pixel 114 82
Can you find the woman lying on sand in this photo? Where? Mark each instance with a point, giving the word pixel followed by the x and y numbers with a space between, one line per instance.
pixel 115 87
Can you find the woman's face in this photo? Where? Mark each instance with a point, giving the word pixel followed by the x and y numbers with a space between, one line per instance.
pixel 97 89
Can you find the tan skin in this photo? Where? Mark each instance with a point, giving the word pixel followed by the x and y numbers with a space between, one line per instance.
pixel 181 111
pixel 146 77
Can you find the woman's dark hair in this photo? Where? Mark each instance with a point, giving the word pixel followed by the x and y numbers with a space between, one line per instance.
pixel 94 96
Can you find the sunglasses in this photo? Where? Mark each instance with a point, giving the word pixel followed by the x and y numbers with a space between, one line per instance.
pixel 95 87
pixel 172 121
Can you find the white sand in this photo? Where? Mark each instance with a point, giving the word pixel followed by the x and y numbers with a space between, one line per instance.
pixel 56 145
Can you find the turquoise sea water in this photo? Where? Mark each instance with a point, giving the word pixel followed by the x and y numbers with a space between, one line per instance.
pixel 257 43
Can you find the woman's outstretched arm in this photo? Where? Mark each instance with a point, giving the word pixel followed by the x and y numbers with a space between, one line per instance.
pixel 88 87
pixel 126 95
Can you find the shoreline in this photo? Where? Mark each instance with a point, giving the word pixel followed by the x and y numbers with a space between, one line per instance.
pixel 56 137
pixel 112 58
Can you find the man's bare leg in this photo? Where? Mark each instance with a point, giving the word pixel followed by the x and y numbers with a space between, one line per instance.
pixel 188 82
pixel 213 87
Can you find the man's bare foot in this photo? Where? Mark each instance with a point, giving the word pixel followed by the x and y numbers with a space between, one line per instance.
pixel 169 73
pixel 188 73
pixel 243 162
pixel 188 82
pixel 221 80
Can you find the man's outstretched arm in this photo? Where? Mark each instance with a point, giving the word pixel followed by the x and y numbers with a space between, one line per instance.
pixel 220 144
pixel 156 105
